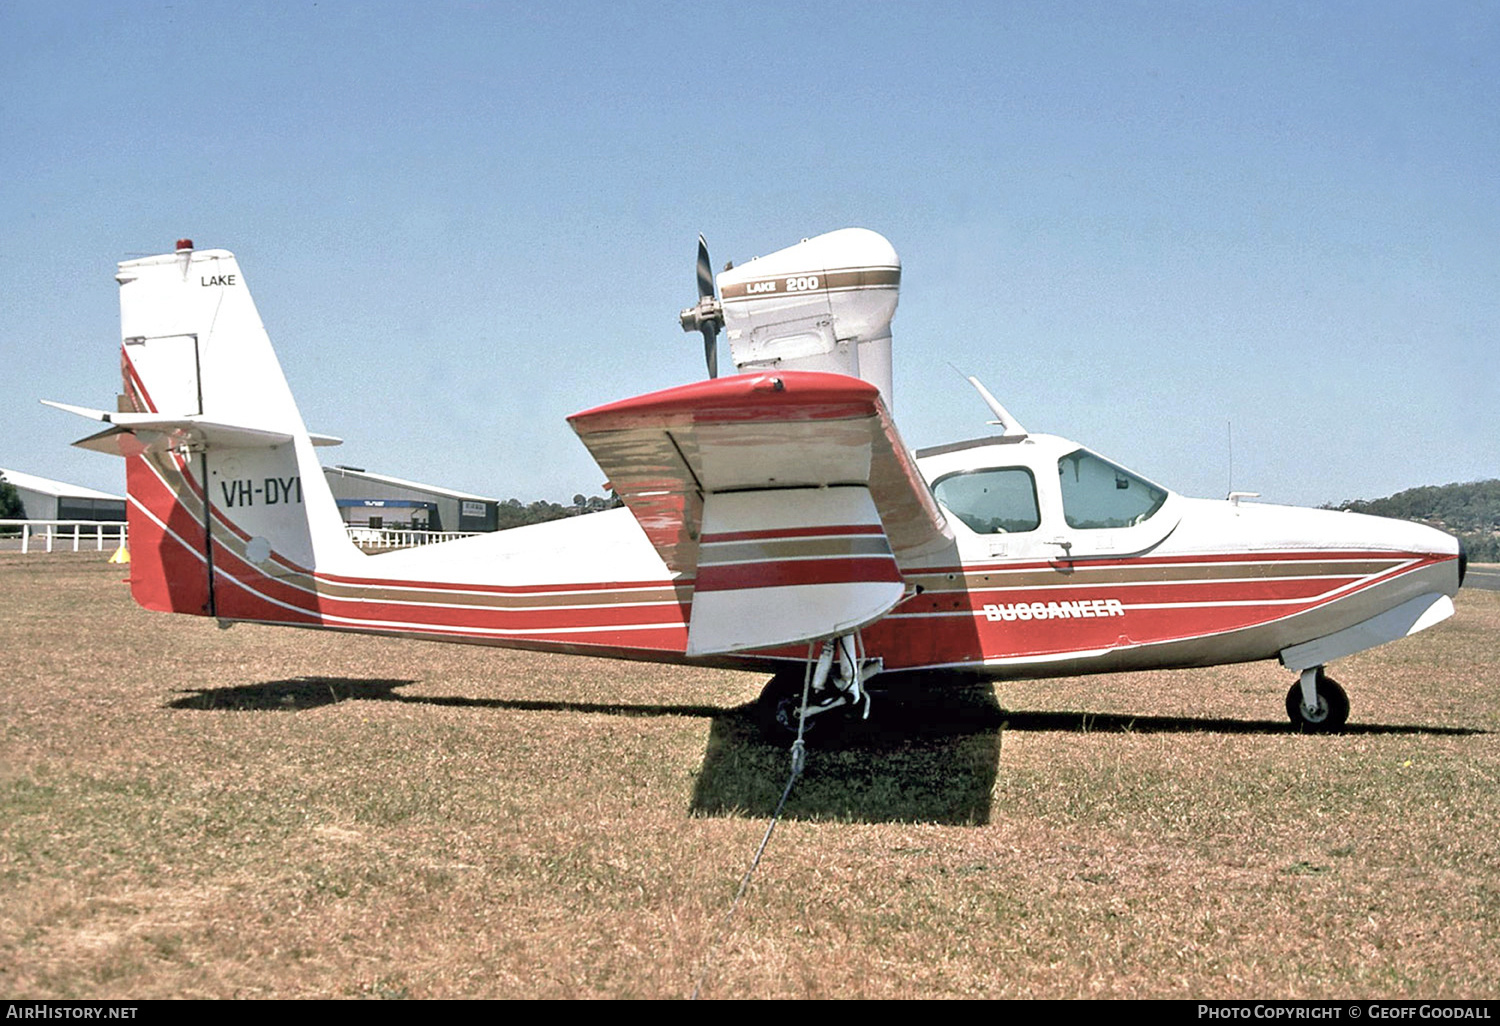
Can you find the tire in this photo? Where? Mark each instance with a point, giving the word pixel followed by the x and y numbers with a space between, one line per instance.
pixel 779 704
pixel 1332 711
pixel 776 709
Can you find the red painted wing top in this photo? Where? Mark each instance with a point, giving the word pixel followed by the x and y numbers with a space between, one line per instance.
pixel 665 451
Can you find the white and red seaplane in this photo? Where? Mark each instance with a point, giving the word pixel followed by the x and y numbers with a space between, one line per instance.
pixel 774 519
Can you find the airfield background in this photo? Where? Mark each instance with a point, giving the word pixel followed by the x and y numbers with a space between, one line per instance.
pixel 46 499
pixel 375 500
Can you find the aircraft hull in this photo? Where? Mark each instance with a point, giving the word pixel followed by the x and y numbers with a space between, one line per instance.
pixel 997 618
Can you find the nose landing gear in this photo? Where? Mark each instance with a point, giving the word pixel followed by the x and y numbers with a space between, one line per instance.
pixel 1317 703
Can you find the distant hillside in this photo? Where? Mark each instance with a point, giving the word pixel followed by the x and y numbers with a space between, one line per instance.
pixel 1471 511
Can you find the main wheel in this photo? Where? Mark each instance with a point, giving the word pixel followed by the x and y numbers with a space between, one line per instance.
pixel 777 708
pixel 1332 710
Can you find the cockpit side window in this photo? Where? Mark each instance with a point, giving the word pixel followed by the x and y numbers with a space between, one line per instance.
pixel 999 501
pixel 1098 494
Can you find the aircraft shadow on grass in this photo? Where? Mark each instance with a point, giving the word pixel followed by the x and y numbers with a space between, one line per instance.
pixel 931 760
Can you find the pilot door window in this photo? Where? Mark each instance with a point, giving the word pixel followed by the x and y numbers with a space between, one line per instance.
pixel 992 501
pixel 1098 494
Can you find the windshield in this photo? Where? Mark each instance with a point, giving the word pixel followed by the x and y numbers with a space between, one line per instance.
pixel 1098 494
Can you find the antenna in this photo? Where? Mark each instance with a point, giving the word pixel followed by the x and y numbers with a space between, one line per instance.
pixel 1229 432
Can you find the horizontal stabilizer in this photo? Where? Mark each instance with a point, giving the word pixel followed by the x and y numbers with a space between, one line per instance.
pixel 154 432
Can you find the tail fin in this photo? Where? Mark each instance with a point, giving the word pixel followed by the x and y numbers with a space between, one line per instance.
pixel 229 510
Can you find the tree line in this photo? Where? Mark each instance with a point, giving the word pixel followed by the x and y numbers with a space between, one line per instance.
pixel 1471 511
pixel 515 513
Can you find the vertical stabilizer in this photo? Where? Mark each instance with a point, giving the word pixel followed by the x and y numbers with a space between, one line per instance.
pixel 228 501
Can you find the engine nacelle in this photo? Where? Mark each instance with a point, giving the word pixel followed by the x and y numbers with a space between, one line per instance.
pixel 824 304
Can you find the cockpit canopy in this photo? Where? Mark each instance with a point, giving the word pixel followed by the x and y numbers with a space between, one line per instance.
pixel 1092 493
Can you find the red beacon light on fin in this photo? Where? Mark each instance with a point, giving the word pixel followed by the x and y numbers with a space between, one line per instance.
pixel 183 245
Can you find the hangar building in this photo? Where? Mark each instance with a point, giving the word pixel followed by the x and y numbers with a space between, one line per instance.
pixel 46 499
pixel 375 500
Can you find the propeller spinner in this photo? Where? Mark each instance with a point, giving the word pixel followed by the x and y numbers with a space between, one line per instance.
pixel 708 315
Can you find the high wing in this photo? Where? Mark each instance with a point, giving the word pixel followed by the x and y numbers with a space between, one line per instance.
pixel 788 497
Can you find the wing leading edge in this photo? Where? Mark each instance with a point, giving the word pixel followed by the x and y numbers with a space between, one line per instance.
pixel 788 497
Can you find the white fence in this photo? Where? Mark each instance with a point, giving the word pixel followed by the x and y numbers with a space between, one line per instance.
pixel 381 538
pixel 78 535
pixel 49 534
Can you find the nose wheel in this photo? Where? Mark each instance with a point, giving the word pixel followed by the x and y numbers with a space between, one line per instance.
pixel 1317 703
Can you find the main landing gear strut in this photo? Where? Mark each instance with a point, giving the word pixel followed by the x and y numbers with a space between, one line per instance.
pixel 806 696
pixel 1316 703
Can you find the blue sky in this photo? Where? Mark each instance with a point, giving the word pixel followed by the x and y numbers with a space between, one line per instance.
pixel 1138 223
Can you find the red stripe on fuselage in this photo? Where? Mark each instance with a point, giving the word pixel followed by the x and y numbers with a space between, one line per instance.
pixel 532 620
pixel 1174 591
pixel 1271 559
pixel 790 533
pixel 784 573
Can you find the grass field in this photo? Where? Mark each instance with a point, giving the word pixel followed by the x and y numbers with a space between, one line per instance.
pixel 262 812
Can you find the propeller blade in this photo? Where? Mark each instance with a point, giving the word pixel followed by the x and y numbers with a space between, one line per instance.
pixel 705 270
pixel 708 314
pixel 711 349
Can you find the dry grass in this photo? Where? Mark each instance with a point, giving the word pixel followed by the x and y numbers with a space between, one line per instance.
pixel 186 811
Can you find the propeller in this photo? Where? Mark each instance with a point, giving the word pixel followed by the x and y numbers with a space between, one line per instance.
pixel 708 315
